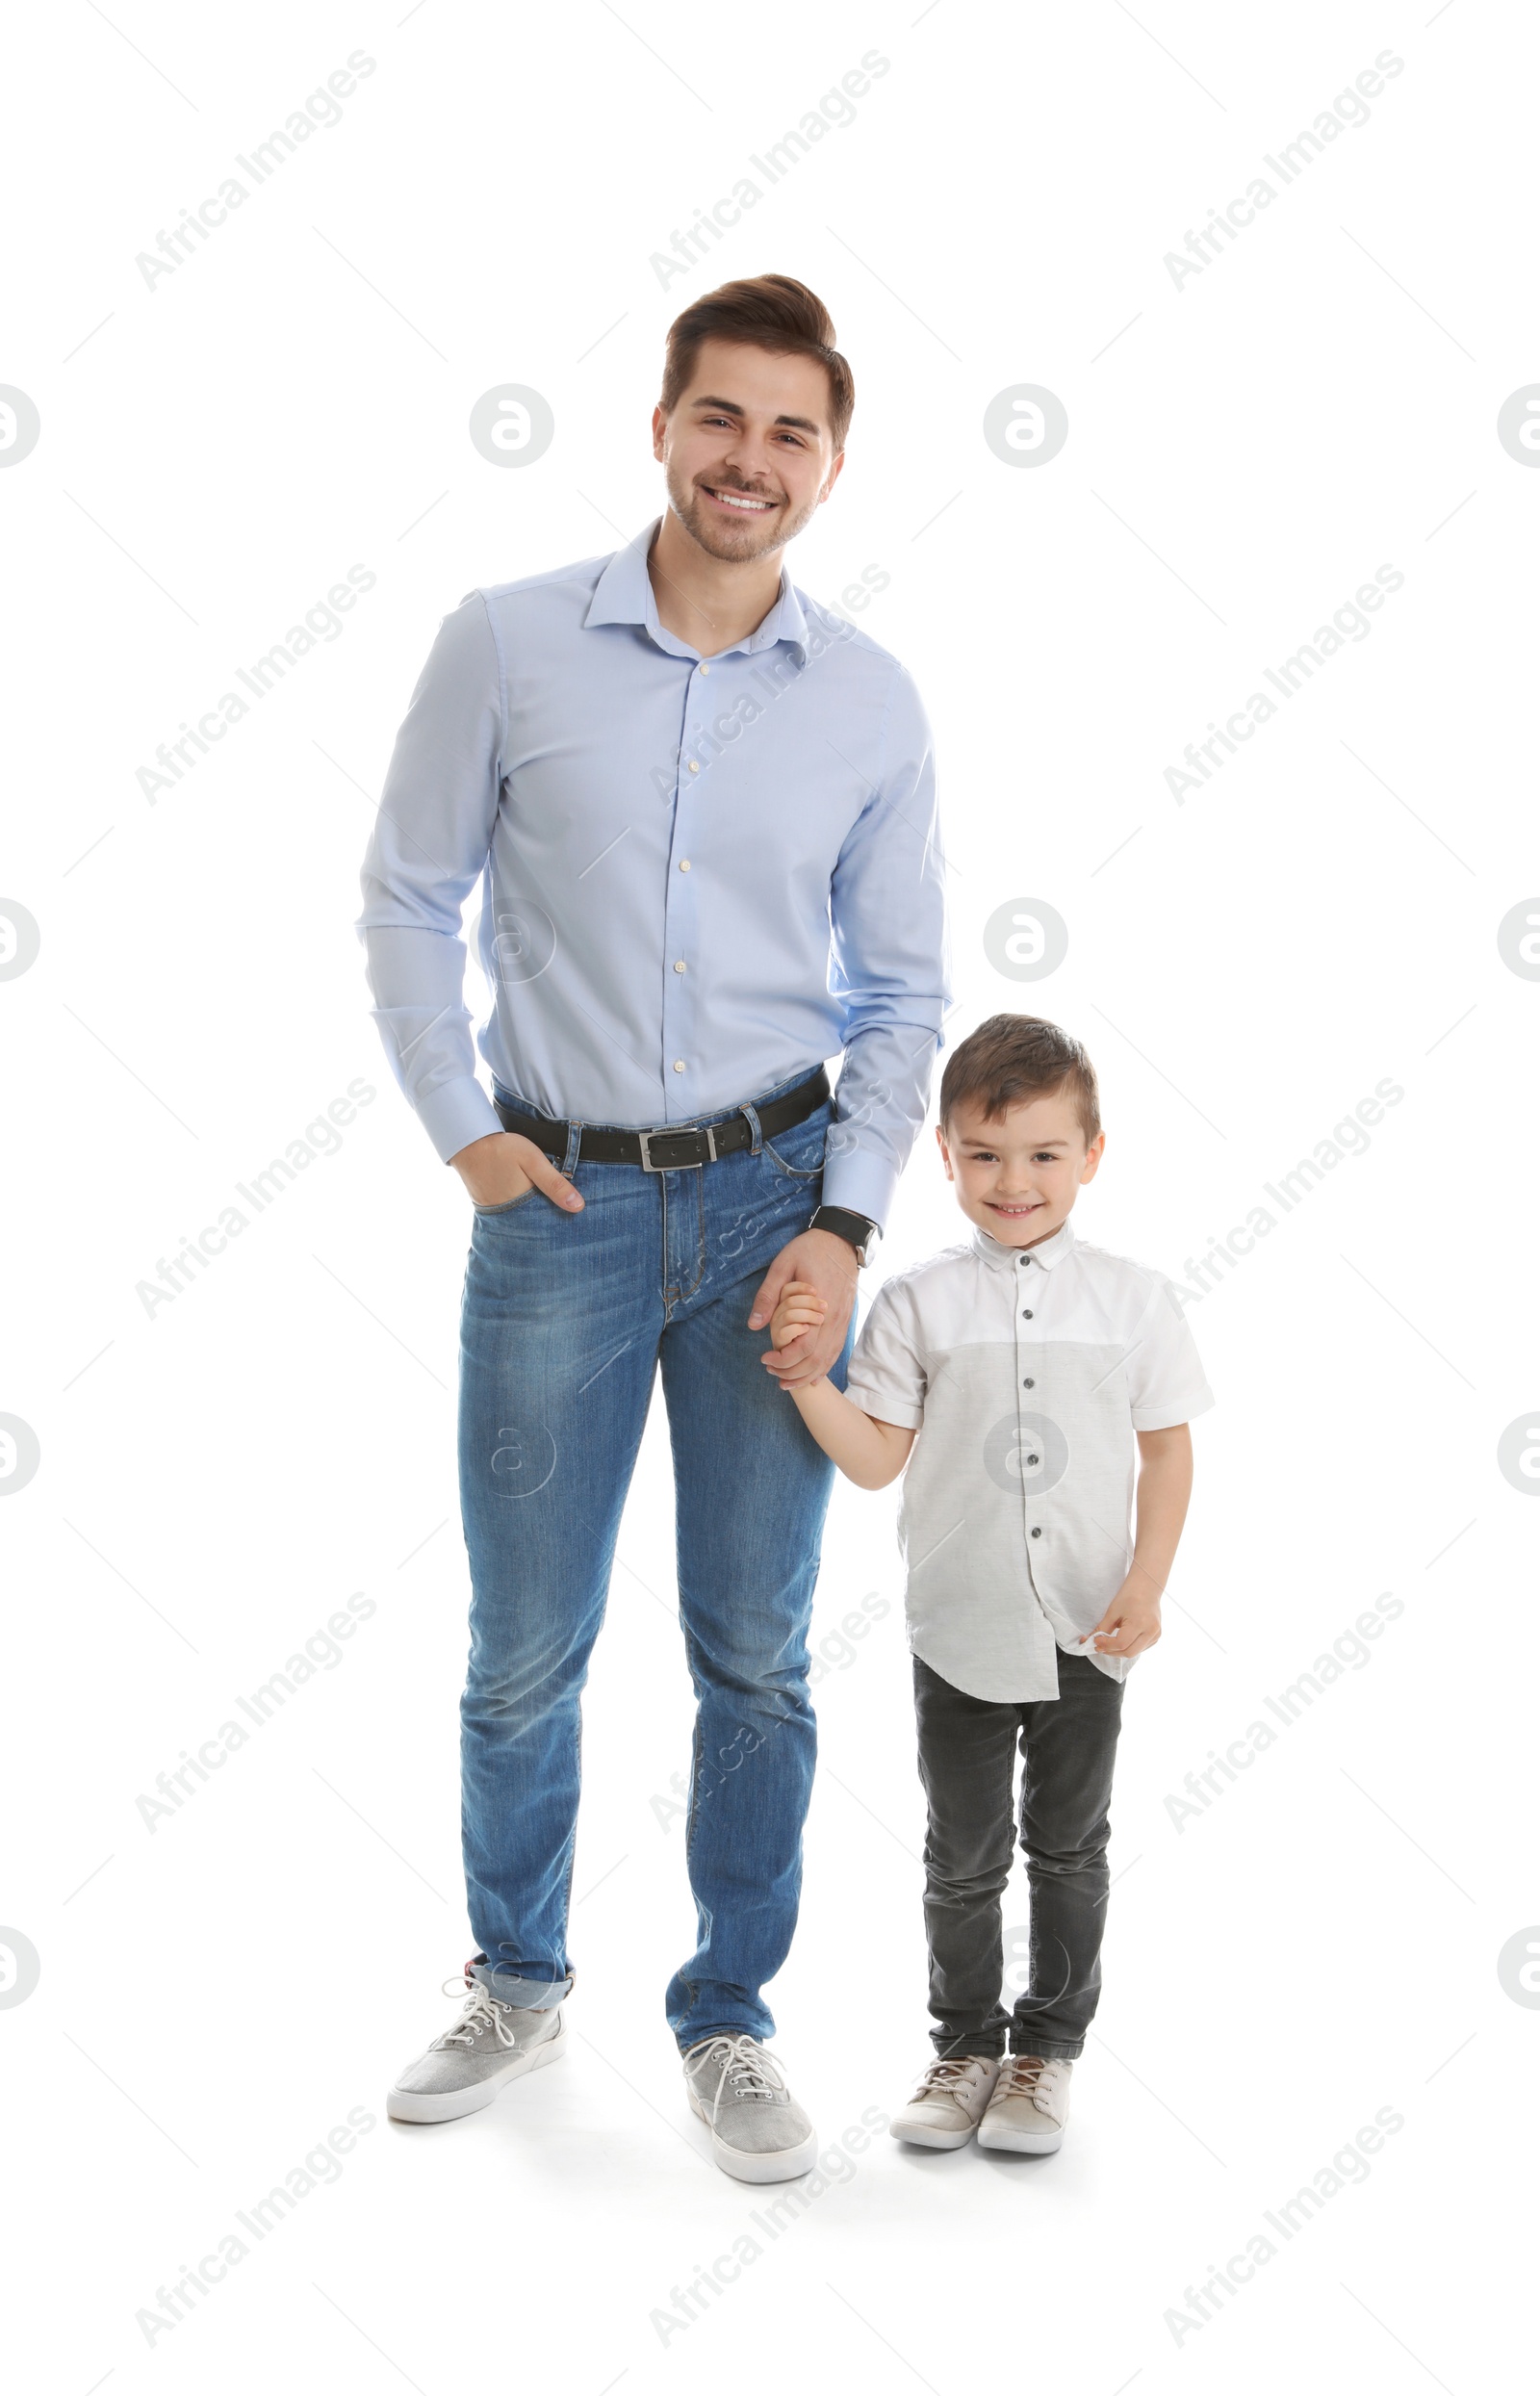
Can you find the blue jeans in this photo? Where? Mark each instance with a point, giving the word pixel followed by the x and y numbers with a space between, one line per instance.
pixel 565 1321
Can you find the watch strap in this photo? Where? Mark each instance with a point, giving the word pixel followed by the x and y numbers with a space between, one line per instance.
pixel 846 1225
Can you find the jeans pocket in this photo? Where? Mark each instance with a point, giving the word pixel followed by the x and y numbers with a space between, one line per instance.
pixel 489 1214
pixel 799 1153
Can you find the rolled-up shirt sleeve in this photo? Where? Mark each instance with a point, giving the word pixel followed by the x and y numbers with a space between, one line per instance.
pixel 889 966
pixel 427 849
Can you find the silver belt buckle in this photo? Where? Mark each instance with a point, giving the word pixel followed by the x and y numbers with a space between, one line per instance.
pixel 645 1140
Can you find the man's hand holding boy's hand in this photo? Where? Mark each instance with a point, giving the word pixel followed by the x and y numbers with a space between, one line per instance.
pixel 827 1264
pixel 1131 1623
pixel 799 1308
pixel 803 1319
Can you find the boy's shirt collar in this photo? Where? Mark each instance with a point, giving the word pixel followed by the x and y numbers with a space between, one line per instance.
pixel 1048 1253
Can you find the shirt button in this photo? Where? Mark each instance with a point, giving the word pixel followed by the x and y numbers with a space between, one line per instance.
pixel 679 964
pixel 678 1065
pixel 1036 1530
pixel 1022 1258
pixel 1033 1459
pixel 1026 1313
pixel 684 864
pixel 1029 1384
pixel 694 769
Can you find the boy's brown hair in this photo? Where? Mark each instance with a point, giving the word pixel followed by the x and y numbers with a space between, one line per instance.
pixel 768 312
pixel 1011 1058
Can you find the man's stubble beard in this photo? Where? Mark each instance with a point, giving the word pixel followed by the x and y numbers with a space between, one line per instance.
pixel 717 541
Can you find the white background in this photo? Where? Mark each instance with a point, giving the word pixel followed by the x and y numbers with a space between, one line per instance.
pixel 1244 450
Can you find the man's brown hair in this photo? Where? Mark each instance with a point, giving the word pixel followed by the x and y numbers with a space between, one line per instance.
pixel 1011 1058
pixel 768 312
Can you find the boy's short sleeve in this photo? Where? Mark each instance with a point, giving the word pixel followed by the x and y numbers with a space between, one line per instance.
pixel 1166 1383
pixel 887 1376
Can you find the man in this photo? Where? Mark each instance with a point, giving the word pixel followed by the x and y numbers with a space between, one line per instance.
pixel 702 811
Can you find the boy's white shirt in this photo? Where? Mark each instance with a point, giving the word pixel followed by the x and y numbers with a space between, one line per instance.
pixel 946 1349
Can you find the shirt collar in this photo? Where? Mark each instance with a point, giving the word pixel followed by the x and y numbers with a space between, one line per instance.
pixel 624 594
pixel 1048 1253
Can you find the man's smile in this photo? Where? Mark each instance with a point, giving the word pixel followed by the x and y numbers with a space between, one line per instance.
pixel 738 503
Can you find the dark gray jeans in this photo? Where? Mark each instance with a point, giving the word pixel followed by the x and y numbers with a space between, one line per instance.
pixel 967 1755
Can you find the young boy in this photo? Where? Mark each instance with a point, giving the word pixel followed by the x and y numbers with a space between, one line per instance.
pixel 1022 1368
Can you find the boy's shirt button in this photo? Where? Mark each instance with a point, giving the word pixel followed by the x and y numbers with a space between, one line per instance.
pixel 1036 1530
pixel 1026 1313
pixel 1029 1384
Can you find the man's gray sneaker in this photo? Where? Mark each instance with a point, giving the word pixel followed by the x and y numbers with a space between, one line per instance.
pixel 759 2131
pixel 490 2045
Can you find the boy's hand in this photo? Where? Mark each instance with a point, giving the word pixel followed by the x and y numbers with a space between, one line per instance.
pixel 799 1308
pixel 828 1263
pixel 1131 1623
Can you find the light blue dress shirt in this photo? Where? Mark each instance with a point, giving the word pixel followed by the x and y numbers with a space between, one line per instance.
pixel 700 874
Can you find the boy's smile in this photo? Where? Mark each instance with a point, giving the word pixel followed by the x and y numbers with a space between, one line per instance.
pixel 1017 1174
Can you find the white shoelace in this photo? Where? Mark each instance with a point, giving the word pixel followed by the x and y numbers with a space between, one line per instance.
pixel 748 2069
pixel 1034 2076
pixel 482 2012
pixel 944 2077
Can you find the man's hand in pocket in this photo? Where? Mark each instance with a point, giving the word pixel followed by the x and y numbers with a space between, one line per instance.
pixel 501 1167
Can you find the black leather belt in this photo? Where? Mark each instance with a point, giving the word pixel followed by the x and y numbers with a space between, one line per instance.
pixel 671 1149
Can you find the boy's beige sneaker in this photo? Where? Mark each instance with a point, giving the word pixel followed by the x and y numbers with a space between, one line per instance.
pixel 1030 2106
pixel 945 2110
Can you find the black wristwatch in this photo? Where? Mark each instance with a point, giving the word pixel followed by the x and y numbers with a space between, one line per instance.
pixel 859 1229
